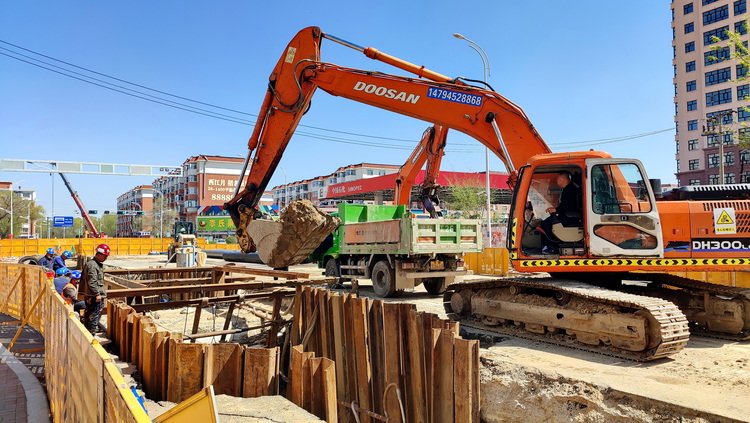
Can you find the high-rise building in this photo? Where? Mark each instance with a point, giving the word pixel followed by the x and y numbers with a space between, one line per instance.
pixel 709 94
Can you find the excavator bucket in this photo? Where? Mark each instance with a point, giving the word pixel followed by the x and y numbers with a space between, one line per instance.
pixel 300 229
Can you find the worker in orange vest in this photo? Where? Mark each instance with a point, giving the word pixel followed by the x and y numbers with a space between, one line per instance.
pixel 70 292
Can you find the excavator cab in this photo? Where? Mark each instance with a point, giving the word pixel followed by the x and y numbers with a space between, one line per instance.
pixel 614 214
pixel 564 230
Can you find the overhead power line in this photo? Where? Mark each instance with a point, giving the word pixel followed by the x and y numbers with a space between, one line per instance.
pixel 241 120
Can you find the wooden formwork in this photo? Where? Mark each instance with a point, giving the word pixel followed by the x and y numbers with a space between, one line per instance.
pixel 344 355
pixel 388 359
pixel 173 369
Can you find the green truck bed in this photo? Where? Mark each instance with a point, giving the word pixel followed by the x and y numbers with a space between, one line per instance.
pixel 368 229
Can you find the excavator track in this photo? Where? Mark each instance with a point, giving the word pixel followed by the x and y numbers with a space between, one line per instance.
pixel 716 311
pixel 573 314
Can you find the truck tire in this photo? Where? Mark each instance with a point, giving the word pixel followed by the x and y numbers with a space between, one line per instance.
pixel 383 279
pixel 33 260
pixel 434 286
pixel 332 269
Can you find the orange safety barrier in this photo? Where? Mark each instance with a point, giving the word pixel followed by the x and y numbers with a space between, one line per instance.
pixel 85 246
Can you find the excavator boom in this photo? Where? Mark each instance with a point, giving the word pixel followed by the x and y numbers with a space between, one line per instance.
pixel 430 150
pixel 484 115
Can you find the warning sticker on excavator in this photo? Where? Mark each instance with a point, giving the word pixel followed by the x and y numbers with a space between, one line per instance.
pixel 724 221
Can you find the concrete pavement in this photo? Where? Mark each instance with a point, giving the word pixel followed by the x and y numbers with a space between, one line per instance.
pixel 24 398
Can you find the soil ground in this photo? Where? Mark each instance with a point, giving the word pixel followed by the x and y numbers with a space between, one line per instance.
pixel 527 381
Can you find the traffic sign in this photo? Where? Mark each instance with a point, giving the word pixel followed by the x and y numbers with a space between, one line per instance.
pixel 62 221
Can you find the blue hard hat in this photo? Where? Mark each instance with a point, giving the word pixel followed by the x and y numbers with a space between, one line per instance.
pixel 62 271
pixel 75 275
pixel 50 250
pixel 67 254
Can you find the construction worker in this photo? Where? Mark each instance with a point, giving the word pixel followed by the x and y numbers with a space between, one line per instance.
pixel 61 279
pixel 59 261
pixel 94 289
pixel 46 261
pixel 70 292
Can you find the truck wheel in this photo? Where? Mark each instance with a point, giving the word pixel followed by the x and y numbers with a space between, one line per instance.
pixel 383 279
pixel 332 269
pixel 29 259
pixel 434 286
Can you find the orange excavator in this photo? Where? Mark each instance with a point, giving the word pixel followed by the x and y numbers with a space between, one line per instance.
pixel 429 150
pixel 608 288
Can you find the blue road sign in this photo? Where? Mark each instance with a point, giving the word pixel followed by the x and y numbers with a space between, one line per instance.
pixel 62 221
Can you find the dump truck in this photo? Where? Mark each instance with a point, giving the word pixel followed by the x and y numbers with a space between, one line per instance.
pixel 396 249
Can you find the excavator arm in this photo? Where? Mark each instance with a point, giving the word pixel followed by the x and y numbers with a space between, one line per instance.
pixel 482 114
pixel 430 150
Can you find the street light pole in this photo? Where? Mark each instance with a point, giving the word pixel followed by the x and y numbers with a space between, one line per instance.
pixel 485 72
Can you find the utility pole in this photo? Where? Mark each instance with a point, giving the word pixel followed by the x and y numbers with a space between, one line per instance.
pixel 710 129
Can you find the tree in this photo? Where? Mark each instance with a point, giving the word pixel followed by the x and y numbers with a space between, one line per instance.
pixel 155 220
pixel 467 197
pixel 738 50
pixel 23 211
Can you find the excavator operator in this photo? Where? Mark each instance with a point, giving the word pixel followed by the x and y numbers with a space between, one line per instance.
pixel 567 211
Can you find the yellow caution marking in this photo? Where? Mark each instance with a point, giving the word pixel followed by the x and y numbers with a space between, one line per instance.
pixel 636 262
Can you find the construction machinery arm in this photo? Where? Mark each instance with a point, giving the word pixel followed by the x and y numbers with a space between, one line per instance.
pixel 482 114
pixel 84 213
pixel 431 150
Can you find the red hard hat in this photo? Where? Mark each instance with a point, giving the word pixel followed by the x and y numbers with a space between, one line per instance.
pixel 103 249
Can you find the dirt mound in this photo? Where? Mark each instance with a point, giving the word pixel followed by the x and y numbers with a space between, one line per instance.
pixel 300 229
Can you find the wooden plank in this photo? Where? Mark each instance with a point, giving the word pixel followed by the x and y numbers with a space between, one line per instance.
pixel 262 272
pixel 260 373
pixel 147 359
pixel 211 300
pixel 392 371
pixel 110 318
pixel 296 331
pixel 323 323
pixel 273 332
pixel 197 318
pixel 191 289
pixel 187 365
pixel 339 346
pixel 414 366
pixel 428 321
pixel 330 400
pixel 351 362
pixel 377 356
pixel 362 355
pixel 164 342
pixel 300 389
pixel 129 329
pixel 313 395
pixel 442 370
pixel 308 310
pixel 135 346
pixel 169 271
pixel 228 320
pixel 223 369
pixel 466 380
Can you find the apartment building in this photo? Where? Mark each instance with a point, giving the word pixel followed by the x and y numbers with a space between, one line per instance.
pixel 710 94
pixel 315 189
pixel 207 182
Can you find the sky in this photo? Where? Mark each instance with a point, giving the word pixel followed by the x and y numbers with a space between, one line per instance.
pixel 589 74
